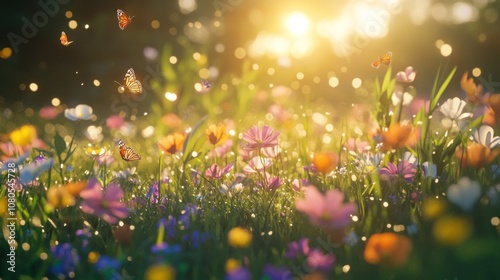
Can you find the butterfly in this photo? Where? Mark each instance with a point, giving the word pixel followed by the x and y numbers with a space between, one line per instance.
pixel 205 83
pixel 64 39
pixel 123 19
pixel 131 82
pixel 385 59
pixel 126 152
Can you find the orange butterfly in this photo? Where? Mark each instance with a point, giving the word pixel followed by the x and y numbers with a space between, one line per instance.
pixel 123 19
pixel 64 39
pixel 126 152
pixel 131 82
pixel 385 59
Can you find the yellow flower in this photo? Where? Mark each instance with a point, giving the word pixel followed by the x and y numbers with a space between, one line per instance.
pixel 59 197
pixel 94 151
pixel 432 208
pixel 232 264
pixel 452 230
pixel 93 257
pixel 239 237
pixel 216 133
pixel 23 136
pixel 160 271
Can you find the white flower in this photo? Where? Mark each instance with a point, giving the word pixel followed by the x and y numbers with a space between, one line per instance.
pixel 80 112
pixel 484 136
pixel 465 193
pixel 230 191
pixel 399 94
pixel 453 108
pixel 123 174
pixel 408 76
pixel 429 171
pixel 94 133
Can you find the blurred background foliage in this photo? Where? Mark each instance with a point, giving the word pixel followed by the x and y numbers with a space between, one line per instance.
pixel 242 47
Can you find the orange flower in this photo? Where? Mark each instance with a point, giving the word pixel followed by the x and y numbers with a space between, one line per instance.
pixel 475 155
pixel 471 89
pixel 74 188
pixel 325 162
pixel 59 197
pixel 172 143
pixel 399 136
pixel 387 249
pixel 216 133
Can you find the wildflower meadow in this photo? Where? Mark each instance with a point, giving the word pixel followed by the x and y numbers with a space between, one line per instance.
pixel 193 174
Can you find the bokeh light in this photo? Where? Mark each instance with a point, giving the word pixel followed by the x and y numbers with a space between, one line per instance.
pixel 72 24
pixel 446 50
pixel 55 102
pixel 33 87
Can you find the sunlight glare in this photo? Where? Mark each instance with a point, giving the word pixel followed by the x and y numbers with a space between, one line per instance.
pixel 297 24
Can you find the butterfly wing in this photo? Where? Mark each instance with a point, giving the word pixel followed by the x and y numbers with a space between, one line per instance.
pixel 376 63
pixel 131 82
pixel 123 19
pixel 64 39
pixel 126 152
pixel 205 83
pixel 386 59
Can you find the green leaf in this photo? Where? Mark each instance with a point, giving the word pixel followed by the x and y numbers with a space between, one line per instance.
pixel 440 92
pixel 188 143
pixel 59 144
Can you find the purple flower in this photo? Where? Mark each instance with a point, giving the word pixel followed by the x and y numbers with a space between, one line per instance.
pixel 106 262
pixel 297 248
pixel 215 172
pixel 257 138
pixel 65 259
pixel 328 211
pixel 196 239
pixel 103 204
pixel 240 273
pixel 319 261
pixel 276 273
pixel 153 193
pixel 272 183
pixel 166 249
pixel 404 169
pixel 170 225
pixel 106 159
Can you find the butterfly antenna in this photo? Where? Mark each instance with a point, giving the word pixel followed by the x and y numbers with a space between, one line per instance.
pixel 118 83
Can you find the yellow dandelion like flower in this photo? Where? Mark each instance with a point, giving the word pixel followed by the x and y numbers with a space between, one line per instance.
pixel 452 230
pixel 23 136
pixel 94 151
pixel 239 237
pixel 432 208
pixel 161 271
pixel 93 257
pixel 232 264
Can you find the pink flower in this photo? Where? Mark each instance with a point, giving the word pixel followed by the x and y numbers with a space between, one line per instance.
pixel 319 261
pixel 404 169
pixel 357 146
pixel 115 122
pixel 297 248
pixel 106 159
pixel 257 164
pixel 328 211
pixel 260 138
pixel 48 112
pixel 222 150
pixel 215 172
pixel 103 204
pixel 408 76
